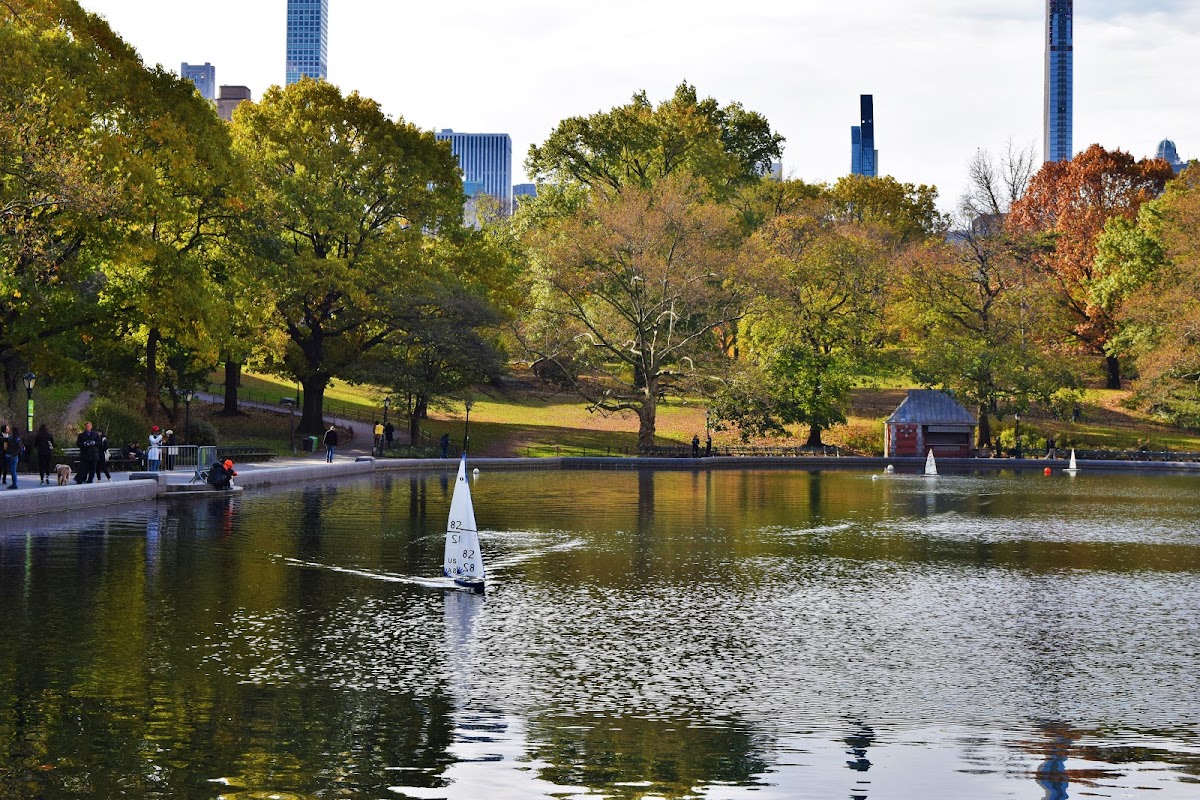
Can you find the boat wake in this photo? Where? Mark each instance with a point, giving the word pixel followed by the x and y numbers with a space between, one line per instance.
pixel 389 577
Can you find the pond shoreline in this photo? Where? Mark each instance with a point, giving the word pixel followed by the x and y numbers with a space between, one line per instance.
pixel 33 499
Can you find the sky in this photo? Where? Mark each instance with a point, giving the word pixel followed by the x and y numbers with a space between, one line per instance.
pixel 949 77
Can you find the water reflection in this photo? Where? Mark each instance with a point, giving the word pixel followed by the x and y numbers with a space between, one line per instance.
pixel 738 634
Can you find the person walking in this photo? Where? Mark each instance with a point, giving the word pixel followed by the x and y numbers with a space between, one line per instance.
pixel 378 447
pixel 696 446
pixel 12 454
pixel 389 430
pixel 5 438
pixel 89 453
pixel 102 457
pixel 43 443
pixel 330 441
pixel 444 443
pixel 154 453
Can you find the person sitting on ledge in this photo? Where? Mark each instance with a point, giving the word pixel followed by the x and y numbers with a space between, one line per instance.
pixel 221 474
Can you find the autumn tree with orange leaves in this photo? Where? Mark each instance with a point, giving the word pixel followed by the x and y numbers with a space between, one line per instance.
pixel 1070 202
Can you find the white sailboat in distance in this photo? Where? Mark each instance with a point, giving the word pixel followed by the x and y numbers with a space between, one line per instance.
pixel 930 465
pixel 1072 467
pixel 463 560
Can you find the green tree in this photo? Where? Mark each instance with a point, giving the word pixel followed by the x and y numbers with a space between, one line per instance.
pixel 1151 267
pixel 186 180
pixel 980 322
pixel 63 155
pixel 816 324
pixel 343 201
pixel 633 287
pixel 638 144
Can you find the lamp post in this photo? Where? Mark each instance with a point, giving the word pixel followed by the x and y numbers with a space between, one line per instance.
pixel 29 378
pixel 187 416
pixel 387 403
pixel 291 404
pixel 467 426
pixel 1017 434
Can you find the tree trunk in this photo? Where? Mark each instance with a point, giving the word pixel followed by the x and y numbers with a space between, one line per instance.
pixel 420 410
pixel 312 420
pixel 152 372
pixel 1113 367
pixel 647 415
pixel 814 437
pixel 984 436
pixel 233 379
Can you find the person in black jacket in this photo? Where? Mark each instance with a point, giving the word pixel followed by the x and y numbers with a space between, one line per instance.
pixel 330 441
pixel 13 454
pixel 89 453
pixel 43 443
pixel 102 457
pixel 5 440
pixel 221 474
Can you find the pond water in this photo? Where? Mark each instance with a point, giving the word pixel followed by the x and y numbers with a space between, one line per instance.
pixel 718 634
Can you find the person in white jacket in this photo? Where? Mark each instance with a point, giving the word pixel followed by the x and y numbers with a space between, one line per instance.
pixel 154 454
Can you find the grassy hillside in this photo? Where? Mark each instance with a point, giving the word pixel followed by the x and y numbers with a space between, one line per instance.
pixel 526 418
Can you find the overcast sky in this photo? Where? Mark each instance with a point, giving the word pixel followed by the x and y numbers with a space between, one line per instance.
pixel 949 76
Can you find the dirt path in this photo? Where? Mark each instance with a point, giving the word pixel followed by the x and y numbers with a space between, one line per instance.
pixel 73 414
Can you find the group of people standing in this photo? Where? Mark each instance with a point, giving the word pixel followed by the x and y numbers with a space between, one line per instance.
pixel 13 447
pixel 93 455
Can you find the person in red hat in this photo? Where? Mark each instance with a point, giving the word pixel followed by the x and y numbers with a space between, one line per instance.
pixel 154 454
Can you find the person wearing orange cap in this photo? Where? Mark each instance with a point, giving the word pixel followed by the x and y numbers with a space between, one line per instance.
pixel 221 474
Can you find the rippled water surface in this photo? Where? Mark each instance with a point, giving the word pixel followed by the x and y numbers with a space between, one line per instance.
pixel 724 634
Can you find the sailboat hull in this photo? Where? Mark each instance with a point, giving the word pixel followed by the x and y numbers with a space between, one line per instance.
pixel 474 586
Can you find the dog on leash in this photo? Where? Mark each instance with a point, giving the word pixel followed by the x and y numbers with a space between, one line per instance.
pixel 64 473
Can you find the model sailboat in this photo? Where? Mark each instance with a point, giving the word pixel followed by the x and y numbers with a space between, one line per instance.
pixel 930 465
pixel 1072 467
pixel 463 560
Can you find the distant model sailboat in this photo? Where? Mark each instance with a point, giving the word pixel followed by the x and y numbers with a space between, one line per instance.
pixel 930 465
pixel 1072 467
pixel 463 560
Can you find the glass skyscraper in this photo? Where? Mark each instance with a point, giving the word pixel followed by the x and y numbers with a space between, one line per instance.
pixel 864 158
pixel 1059 80
pixel 307 39
pixel 485 160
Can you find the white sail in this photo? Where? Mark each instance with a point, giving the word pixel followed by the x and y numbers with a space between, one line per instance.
pixel 462 560
pixel 1072 466
pixel 930 464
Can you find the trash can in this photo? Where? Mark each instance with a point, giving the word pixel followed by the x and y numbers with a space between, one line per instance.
pixel 310 444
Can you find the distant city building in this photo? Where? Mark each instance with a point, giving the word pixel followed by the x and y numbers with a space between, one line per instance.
pixel 204 76
pixel 484 158
pixel 864 158
pixel 230 98
pixel 523 192
pixel 307 39
pixel 1059 80
pixel 1167 152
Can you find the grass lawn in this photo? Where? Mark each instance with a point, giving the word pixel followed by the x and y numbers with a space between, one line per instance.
pixel 528 419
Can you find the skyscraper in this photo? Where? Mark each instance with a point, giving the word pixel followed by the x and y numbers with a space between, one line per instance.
pixel 307 39
pixel 484 158
pixel 864 158
pixel 230 98
pixel 1059 80
pixel 205 78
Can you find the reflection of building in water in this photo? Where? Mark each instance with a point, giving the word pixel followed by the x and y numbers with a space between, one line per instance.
pixel 858 743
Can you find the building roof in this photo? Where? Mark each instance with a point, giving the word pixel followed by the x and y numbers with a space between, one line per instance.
pixel 931 407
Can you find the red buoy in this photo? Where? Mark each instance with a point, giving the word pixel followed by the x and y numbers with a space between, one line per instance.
pixel 1047 472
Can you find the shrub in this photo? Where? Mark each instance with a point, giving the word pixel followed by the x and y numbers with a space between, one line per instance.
pixel 120 422
pixel 202 432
